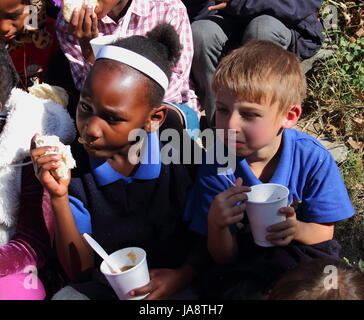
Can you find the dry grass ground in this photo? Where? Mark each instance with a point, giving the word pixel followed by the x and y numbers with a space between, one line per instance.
pixel 335 109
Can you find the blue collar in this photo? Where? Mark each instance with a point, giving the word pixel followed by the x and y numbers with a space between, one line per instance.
pixel 280 175
pixel 149 167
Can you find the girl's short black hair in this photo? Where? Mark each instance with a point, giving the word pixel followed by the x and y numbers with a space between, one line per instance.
pixel 9 78
pixel 161 46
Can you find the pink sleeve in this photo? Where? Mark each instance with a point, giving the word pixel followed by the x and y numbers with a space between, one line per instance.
pixel 179 90
pixel 32 240
pixel 71 49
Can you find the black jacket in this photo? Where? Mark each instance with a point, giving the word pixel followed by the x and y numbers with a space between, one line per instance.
pixel 197 9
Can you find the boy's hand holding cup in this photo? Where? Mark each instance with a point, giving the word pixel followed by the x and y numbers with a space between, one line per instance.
pixel 281 234
pixel 224 211
pixel 271 221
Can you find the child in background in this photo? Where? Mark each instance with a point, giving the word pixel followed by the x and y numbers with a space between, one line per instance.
pixel 26 221
pixel 127 18
pixel 31 46
pixel 294 25
pixel 259 95
pixel 122 203
pixel 320 279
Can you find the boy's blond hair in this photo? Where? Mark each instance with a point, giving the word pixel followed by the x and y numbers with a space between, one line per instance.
pixel 262 72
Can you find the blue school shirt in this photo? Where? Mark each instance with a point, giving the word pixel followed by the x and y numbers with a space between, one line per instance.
pixel 149 168
pixel 145 210
pixel 305 167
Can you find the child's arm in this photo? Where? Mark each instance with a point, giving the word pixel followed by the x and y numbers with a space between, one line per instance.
pixel 177 91
pixel 223 213
pixel 31 243
pixel 73 252
pixel 292 229
pixel 76 52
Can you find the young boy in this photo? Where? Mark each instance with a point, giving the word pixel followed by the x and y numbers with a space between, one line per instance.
pixel 127 18
pixel 259 90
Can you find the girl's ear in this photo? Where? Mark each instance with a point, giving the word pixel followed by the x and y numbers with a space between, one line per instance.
pixel 292 116
pixel 156 118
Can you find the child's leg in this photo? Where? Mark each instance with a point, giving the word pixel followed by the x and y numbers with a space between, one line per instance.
pixel 24 286
pixel 268 28
pixel 209 40
pixel 213 37
pixel 92 290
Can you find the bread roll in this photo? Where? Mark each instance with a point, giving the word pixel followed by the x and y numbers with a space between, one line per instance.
pixel 67 161
pixel 47 92
pixel 70 5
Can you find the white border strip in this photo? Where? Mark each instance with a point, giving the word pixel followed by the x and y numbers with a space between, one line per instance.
pixel 136 61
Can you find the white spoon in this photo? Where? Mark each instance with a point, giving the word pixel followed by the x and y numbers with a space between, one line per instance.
pixel 101 252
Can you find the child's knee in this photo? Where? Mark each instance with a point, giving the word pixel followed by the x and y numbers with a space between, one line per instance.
pixel 207 35
pixel 24 286
pixel 266 27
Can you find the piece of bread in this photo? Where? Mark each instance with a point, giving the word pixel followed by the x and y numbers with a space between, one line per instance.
pixel 67 161
pixel 69 5
pixel 54 93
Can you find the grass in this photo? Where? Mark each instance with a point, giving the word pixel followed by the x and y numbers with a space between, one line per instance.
pixel 335 109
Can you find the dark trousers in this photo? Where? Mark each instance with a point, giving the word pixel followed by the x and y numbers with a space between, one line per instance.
pixel 259 268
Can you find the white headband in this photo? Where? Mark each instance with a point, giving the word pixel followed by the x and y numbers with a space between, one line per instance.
pixel 136 61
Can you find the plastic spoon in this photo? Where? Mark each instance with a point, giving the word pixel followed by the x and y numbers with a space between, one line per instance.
pixel 229 179
pixel 101 252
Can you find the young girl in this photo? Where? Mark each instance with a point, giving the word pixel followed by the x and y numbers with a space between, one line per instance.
pixel 122 203
pixel 29 37
pixel 26 222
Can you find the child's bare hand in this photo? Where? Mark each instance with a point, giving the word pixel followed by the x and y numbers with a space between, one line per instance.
pixel 281 234
pixel 220 6
pixel 44 168
pixel 163 283
pixel 83 24
pixel 223 211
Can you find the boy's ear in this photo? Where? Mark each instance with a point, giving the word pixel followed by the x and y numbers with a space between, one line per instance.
pixel 156 118
pixel 292 116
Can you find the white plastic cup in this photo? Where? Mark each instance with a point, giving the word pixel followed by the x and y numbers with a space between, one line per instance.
pixel 98 42
pixel 262 207
pixel 133 278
